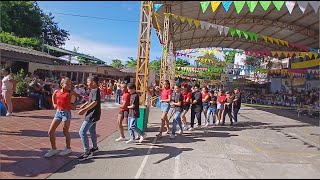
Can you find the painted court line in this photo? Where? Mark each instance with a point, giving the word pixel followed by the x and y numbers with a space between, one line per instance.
pixel 145 159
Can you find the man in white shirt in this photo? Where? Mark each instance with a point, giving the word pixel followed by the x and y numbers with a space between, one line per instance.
pixel 8 87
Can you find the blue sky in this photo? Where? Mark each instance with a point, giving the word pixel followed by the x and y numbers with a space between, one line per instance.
pixel 101 38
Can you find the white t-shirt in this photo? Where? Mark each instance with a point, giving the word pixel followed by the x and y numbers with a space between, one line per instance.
pixel 6 84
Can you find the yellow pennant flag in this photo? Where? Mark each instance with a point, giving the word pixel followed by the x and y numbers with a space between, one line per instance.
pixel 270 39
pixel 196 23
pixel 291 54
pixel 276 40
pixel 215 5
pixel 264 38
pixel 200 51
pixel 286 43
pixel 189 21
pixel 310 55
pixel 315 55
pixel 303 54
pixel 273 53
pixel 182 18
pixel 210 51
pixel 214 51
pixel 279 53
pixel 281 41
pixel 286 53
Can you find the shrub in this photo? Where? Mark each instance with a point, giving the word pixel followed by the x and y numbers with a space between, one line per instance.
pixel 22 83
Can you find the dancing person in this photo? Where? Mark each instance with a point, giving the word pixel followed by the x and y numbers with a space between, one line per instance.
pixel 8 87
pixel 165 98
pixel 236 104
pixel 196 107
pixel 187 95
pixel 134 114
pixel 228 108
pixel 212 108
pixel 220 105
pixel 205 99
pixel 93 112
pixel 63 101
pixel 177 103
pixel 124 111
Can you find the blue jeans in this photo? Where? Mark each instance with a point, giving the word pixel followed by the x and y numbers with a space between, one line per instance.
pixel 176 120
pixel 118 96
pixel 235 114
pixel 211 110
pixel 91 126
pixel 132 123
pixel 39 99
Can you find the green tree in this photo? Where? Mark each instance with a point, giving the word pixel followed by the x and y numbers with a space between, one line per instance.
pixel 229 58
pixel 253 61
pixel 117 63
pixel 9 38
pixel 131 63
pixel 181 62
pixel 156 65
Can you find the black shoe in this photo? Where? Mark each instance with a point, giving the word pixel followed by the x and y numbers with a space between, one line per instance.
pixel 84 156
pixel 94 150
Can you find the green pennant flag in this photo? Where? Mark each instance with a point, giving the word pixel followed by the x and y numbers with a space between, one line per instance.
pixel 256 36
pixel 265 5
pixel 239 5
pixel 252 5
pixel 204 6
pixel 232 31
pixel 278 4
pixel 238 32
pixel 246 34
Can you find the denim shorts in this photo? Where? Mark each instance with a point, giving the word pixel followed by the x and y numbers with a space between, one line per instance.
pixel 220 106
pixel 205 106
pixel 165 107
pixel 63 115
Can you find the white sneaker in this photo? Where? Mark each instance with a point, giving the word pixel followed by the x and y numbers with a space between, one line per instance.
pixel 51 152
pixel 120 139
pixel 235 122
pixel 65 152
pixel 172 136
pixel 199 127
pixel 130 141
pixel 207 124
pixel 180 132
pixel 142 137
pixel 190 129
pixel 9 114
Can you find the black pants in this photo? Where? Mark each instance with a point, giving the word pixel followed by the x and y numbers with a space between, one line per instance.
pixel 195 114
pixel 235 114
pixel 227 110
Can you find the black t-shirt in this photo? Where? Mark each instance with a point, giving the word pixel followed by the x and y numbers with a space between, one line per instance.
pixel 94 114
pixel 134 99
pixel 237 104
pixel 213 105
pixel 198 106
pixel 178 97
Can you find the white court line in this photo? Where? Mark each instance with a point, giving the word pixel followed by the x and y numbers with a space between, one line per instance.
pixel 145 159
pixel 176 174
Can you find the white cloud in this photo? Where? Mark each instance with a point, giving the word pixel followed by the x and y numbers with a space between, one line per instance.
pixel 103 51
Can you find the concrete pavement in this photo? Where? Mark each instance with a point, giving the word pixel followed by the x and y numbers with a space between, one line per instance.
pixel 262 145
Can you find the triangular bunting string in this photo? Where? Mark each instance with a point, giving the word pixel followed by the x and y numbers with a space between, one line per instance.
pixel 189 21
pixel 182 18
pixel 238 32
pixel 265 5
pixel 265 38
pixel 276 40
pixel 232 31
pixel 278 4
pixel 225 30
pixel 290 5
pixel 196 23
pixel 215 5
pixel 252 5
pixel 204 6
pixel 220 29
pixel 273 53
pixel 202 24
pixel 226 5
pixel 239 5
pixel 315 5
pixel 302 5
pixel 270 39
pixel 156 7
pixel 246 35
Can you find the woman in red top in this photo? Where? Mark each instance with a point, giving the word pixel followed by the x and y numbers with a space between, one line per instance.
pixel 205 100
pixel 220 105
pixel 165 107
pixel 187 96
pixel 63 100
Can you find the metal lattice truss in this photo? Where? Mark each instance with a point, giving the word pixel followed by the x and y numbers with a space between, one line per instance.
pixel 299 28
pixel 142 70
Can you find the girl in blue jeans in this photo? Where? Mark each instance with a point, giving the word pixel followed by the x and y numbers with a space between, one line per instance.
pixel 212 108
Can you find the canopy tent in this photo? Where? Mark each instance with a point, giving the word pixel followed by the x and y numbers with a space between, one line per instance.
pixel 297 27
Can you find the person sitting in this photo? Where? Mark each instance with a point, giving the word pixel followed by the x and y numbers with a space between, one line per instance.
pixel 35 92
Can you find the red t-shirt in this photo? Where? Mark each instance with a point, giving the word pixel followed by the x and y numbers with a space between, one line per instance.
pixel 63 100
pixel 165 93
pixel 125 97
pixel 204 95
pixel 185 96
pixel 222 99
